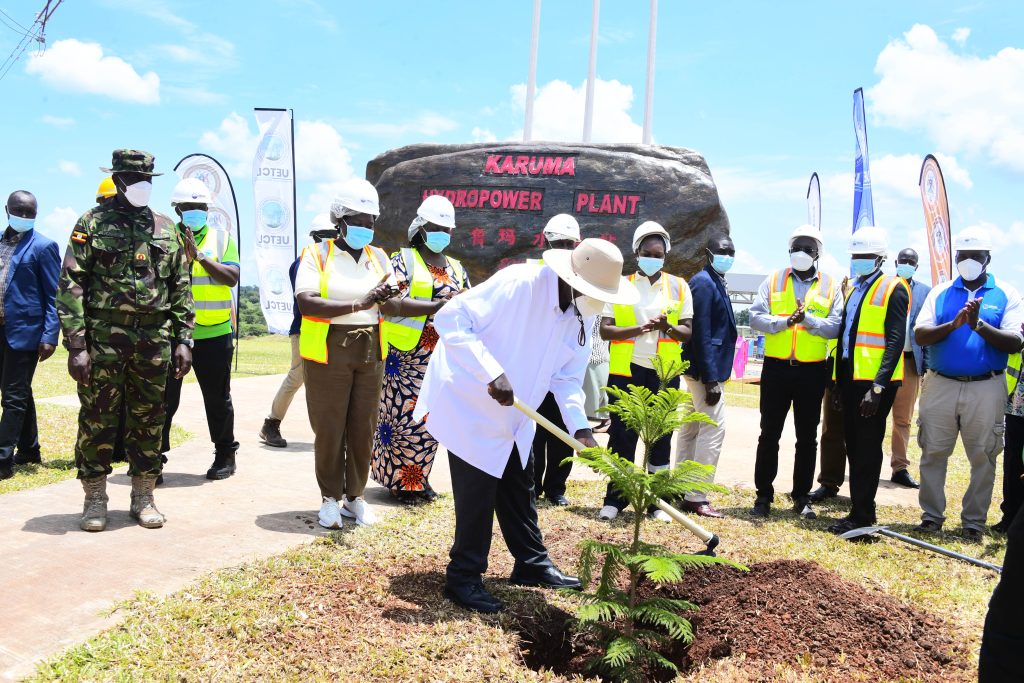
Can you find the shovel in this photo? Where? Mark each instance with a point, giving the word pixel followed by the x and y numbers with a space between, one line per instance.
pixel 884 531
pixel 709 539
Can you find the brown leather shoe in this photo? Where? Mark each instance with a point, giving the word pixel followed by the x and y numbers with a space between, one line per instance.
pixel 701 509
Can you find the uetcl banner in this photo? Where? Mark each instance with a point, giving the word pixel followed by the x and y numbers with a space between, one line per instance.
pixel 863 206
pixel 223 212
pixel 273 185
pixel 936 216
pixel 814 202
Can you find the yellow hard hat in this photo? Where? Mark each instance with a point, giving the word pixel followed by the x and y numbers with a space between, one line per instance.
pixel 106 190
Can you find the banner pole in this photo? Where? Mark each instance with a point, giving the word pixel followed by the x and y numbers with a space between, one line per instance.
pixel 588 107
pixel 649 100
pixel 531 78
pixel 295 197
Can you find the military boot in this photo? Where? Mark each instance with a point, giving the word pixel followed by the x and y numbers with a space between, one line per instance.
pixel 223 466
pixel 94 512
pixel 271 433
pixel 143 508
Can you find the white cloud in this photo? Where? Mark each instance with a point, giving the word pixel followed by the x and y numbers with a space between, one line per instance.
pixel 427 124
pixel 58 121
pixel 69 167
pixel 899 174
pixel 964 103
pixel 558 112
pixel 746 262
pixel 961 35
pixel 57 224
pixel 73 66
pixel 483 135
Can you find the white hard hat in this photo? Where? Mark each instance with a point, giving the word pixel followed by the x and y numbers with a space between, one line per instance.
pixel 807 231
pixel 437 209
pixel 974 238
pixel 355 196
pixel 322 221
pixel 191 191
pixel 562 226
pixel 648 228
pixel 869 240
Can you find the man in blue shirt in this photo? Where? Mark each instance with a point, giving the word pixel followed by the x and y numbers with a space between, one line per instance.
pixel 970 326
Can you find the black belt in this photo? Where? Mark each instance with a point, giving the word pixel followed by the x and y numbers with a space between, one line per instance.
pixel 971 378
pixel 128 319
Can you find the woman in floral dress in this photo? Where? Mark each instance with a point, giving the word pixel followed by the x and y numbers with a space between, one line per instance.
pixel 403 450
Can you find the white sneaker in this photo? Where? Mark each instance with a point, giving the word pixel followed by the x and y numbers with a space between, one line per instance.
pixel 358 510
pixel 660 516
pixel 330 515
pixel 608 513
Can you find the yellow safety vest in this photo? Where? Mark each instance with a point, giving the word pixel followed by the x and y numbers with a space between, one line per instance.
pixel 535 261
pixel 404 333
pixel 313 332
pixel 1013 373
pixel 869 346
pixel 213 300
pixel 796 343
pixel 621 351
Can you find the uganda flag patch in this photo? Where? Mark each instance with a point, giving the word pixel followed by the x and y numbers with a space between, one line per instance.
pixel 79 237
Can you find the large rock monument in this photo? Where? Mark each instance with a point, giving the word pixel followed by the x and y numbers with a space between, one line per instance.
pixel 504 193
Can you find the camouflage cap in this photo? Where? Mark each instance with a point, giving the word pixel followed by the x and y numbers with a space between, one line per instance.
pixel 131 161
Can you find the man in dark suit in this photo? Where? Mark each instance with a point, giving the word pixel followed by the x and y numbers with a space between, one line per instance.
pixel 869 368
pixel 913 371
pixel 710 352
pixel 29 268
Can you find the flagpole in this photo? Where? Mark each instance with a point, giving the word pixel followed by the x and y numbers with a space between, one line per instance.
pixel 531 80
pixel 652 33
pixel 588 109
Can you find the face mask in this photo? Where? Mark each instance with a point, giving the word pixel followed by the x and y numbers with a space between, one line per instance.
pixel 437 241
pixel 588 305
pixel 194 218
pixel 138 194
pixel 357 236
pixel 862 266
pixel 19 224
pixel 722 263
pixel 905 270
pixel 970 269
pixel 650 265
pixel 801 261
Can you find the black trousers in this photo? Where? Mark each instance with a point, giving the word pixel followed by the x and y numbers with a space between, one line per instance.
pixel 478 496
pixel 1003 638
pixel 549 452
pixel 211 361
pixel 801 386
pixel 18 423
pixel 1013 468
pixel 864 437
pixel 623 440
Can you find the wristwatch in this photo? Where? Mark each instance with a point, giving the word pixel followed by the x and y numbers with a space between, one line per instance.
pixel 979 325
pixel 190 343
pixel 877 389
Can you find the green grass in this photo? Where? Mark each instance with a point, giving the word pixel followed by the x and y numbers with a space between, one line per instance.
pixel 267 355
pixel 367 605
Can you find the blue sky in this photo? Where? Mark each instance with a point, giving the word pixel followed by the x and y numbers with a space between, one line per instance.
pixel 763 90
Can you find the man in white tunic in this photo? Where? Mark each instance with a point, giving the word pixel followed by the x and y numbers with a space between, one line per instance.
pixel 522 333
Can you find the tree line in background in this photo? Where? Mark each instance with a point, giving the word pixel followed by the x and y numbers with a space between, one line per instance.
pixel 250 317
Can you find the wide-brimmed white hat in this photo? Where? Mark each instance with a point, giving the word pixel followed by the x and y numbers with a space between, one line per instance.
pixel 594 269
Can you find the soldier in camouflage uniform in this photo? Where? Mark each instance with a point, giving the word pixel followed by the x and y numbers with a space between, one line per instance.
pixel 124 297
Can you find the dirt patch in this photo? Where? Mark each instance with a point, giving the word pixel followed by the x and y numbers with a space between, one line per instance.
pixel 786 611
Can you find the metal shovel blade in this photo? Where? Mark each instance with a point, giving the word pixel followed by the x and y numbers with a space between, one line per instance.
pixel 863 531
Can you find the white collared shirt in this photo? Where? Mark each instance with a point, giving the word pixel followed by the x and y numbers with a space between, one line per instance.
pixel 510 324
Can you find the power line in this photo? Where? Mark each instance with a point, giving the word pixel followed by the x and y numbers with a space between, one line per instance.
pixel 14 21
pixel 31 34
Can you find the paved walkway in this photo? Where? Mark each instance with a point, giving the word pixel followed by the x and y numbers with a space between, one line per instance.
pixel 59 581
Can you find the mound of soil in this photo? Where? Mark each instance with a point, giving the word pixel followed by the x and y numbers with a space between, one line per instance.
pixel 788 611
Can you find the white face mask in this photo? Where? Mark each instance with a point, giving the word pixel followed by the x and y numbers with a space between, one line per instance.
pixel 970 269
pixel 801 261
pixel 138 194
pixel 588 306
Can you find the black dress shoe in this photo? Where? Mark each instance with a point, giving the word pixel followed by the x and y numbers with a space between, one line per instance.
pixel 802 507
pixel 560 501
pixel 972 535
pixel 1001 527
pixel 543 577
pixel 844 525
pixel 903 478
pixel 33 458
pixel 473 596
pixel 6 470
pixel 762 508
pixel 223 466
pixel 928 527
pixel 823 493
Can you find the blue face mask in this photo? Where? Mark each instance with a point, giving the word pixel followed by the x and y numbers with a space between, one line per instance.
pixel 19 224
pixel 194 218
pixel 905 270
pixel 650 265
pixel 862 266
pixel 357 236
pixel 437 241
pixel 722 263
